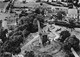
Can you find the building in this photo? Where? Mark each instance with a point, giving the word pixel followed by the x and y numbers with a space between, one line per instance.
pixel 72 13
pixel 4 24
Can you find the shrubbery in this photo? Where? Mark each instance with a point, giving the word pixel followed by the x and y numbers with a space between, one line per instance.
pixel 26 25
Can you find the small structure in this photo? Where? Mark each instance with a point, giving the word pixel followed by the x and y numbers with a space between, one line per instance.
pixel 72 13
pixel 4 24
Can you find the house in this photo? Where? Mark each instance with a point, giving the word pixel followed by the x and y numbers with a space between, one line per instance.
pixel 72 13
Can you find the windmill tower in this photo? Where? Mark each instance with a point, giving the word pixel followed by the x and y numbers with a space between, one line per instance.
pixel 40 32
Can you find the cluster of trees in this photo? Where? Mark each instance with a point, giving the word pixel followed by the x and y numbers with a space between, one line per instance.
pixel 60 15
pixel 29 54
pixel 26 25
pixel 69 41
pixel 32 54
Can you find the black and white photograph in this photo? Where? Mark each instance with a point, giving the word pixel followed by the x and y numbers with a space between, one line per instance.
pixel 39 28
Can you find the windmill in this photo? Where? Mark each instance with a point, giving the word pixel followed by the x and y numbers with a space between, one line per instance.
pixel 43 35
pixel 40 32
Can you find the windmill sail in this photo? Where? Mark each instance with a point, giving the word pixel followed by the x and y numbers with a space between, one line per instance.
pixel 40 32
pixel 39 28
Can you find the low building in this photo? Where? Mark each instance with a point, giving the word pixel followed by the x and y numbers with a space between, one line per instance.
pixel 4 24
pixel 72 13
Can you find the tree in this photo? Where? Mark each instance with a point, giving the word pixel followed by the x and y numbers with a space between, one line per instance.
pixel 25 33
pixel 64 35
pixel 17 50
pixel 47 0
pixel 3 34
pixel 14 42
pixel 26 25
pixel 30 22
pixel 75 3
pixel 7 54
pixel 48 55
pixel 61 15
pixel 73 41
pixel 30 54
pixel 38 1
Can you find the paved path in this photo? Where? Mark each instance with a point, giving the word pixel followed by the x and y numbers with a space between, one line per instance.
pixel 24 48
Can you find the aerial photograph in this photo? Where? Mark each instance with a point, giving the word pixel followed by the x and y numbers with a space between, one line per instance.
pixel 39 28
